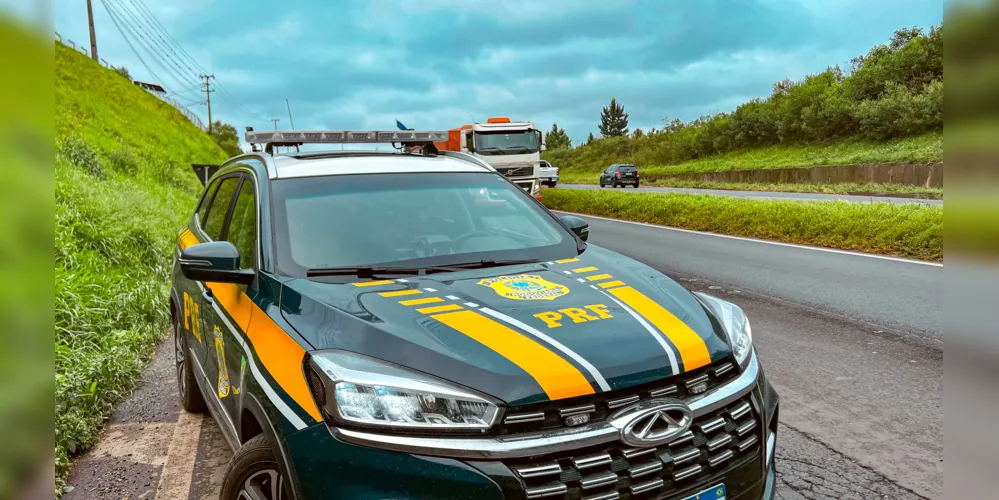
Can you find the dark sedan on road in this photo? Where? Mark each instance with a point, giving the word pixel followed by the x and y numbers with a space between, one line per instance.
pixel 619 174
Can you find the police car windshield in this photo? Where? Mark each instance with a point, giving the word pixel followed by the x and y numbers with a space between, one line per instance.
pixel 411 220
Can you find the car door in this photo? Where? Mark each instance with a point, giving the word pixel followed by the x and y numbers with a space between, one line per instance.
pixel 208 361
pixel 189 295
pixel 241 231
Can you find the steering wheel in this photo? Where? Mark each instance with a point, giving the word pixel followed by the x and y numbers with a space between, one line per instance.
pixel 460 240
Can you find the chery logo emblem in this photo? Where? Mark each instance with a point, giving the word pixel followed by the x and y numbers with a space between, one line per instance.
pixel 653 422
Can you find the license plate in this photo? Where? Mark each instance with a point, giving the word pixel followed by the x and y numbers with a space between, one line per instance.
pixel 713 493
pixel 629 175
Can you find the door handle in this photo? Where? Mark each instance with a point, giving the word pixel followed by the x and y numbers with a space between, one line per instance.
pixel 207 294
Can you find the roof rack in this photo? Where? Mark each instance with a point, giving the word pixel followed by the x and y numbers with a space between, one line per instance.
pixel 271 138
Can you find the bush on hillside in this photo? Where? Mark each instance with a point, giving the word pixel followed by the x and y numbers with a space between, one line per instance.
pixel 896 90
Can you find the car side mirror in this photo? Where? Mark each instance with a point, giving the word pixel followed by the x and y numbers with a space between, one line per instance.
pixel 216 262
pixel 577 225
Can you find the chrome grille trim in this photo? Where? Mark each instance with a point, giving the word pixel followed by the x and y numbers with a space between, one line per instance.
pixel 665 391
pixel 723 369
pixel 591 460
pixel 637 452
pixel 548 490
pixel 719 441
pixel 604 496
pixel 686 436
pixel 649 486
pixel 740 412
pixel 697 380
pixel 646 468
pixel 746 427
pixel 538 470
pixel 598 480
pixel 748 443
pixel 720 459
pixel 693 470
pixel 617 403
pixel 565 412
pixel 686 456
pixel 542 442
pixel 524 417
pixel 711 426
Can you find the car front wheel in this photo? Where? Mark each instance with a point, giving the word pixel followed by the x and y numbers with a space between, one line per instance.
pixel 253 474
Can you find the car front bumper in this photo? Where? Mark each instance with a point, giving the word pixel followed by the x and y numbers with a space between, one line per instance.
pixel 332 463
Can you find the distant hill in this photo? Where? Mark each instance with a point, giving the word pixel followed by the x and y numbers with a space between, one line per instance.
pixel 123 185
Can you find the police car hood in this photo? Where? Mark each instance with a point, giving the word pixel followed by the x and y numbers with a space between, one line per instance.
pixel 526 333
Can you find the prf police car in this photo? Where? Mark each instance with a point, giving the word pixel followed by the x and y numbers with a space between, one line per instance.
pixel 372 325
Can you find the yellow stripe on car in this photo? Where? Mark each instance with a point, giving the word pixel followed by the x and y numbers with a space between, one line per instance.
pixel 597 277
pixel 439 309
pixel 693 350
pixel 400 293
pixel 566 261
pixel 556 376
pixel 584 269
pixel 418 302
pixel 374 283
pixel 610 284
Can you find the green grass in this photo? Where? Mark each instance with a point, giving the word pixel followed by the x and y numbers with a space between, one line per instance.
pixel 123 185
pixel 908 230
pixel 839 188
pixel 583 162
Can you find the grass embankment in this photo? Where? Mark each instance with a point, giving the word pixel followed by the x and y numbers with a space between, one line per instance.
pixel 583 165
pixel 909 230
pixel 123 185
pixel 867 188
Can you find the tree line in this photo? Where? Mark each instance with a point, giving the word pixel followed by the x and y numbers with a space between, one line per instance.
pixel 895 90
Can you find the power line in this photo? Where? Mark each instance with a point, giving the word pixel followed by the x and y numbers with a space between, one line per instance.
pixel 122 32
pixel 124 27
pixel 223 92
pixel 163 58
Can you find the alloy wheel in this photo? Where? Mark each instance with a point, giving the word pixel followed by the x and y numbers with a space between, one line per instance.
pixel 266 484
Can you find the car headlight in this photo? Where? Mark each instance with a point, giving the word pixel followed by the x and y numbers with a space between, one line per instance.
pixel 356 390
pixel 734 322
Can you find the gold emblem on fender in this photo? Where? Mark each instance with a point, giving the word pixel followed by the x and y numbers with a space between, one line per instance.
pixel 525 287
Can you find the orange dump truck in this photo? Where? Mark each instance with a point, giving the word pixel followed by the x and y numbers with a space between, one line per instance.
pixel 512 148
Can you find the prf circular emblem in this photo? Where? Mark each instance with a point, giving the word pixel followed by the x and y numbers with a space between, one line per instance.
pixel 525 287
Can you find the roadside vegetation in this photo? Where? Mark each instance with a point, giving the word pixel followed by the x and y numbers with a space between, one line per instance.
pixel 909 230
pixel 887 107
pixel 123 184
pixel 865 188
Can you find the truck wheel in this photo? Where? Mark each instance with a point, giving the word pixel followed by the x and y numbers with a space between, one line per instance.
pixel 187 385
pixel 253 473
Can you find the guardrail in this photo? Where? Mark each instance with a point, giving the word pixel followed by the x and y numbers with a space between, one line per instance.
pixel 184 110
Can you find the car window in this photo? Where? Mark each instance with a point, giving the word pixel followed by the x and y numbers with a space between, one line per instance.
pixel 205 201
pixel 219 208
pixel 242 230
pixel 409 219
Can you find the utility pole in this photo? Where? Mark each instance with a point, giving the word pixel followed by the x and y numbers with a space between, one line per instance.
pixel 208 98
pixel 93 36
pixel 292 120
pixel 275 120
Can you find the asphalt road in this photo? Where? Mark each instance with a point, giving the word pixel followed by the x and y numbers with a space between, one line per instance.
pixel 861 391
pixel 763 195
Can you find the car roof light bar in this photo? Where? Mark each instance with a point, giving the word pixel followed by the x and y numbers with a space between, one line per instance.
pixel 291 137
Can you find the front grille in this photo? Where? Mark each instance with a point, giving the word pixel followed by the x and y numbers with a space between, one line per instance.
pixel 553 414
pixel 714 442
pixel 515 171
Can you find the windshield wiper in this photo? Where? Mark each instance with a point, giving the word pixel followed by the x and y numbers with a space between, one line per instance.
pixel 481 264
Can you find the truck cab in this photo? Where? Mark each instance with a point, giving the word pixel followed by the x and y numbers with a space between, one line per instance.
pixel 512 148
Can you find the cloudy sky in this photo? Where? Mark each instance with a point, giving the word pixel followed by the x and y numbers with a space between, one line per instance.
pixel 436 64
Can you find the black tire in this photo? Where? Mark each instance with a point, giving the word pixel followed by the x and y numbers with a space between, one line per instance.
pixel 614 184
pixel 187 384
pixel 636 185
pixel 253 469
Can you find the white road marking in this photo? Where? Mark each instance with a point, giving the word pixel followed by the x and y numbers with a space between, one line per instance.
pixel 175 480
pixel 742 238
pixel 554 343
